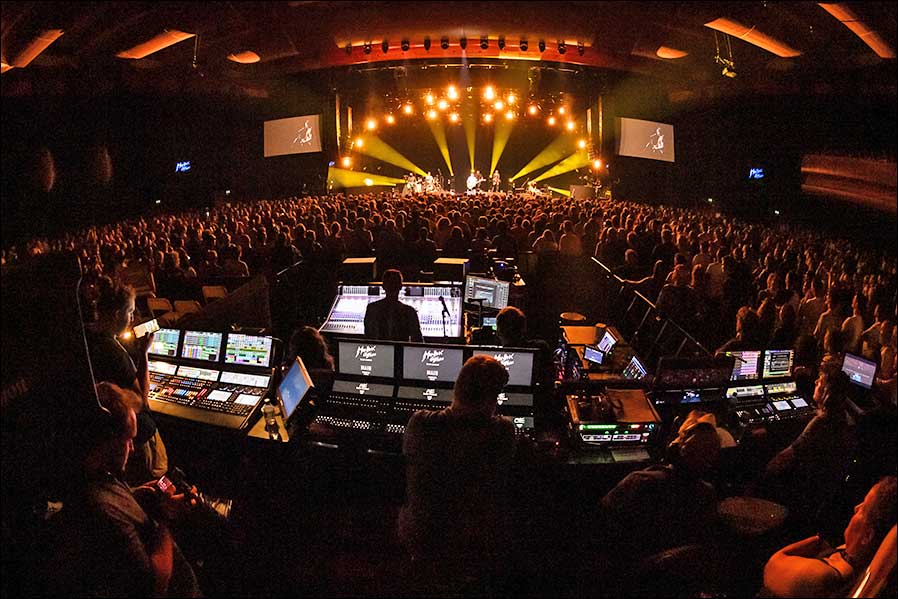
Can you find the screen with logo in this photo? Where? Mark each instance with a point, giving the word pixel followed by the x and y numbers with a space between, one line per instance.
pixel 249 350
pixel 518 363
pixel 294 387
pixel 859 370
pixel 165 343
pixel 438 396
pixel 363 388
pixel 366 358
pixel 429 363
pixel 515 399
pixel 777 363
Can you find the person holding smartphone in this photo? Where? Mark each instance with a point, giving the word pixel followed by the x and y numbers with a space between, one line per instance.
pixel 113 363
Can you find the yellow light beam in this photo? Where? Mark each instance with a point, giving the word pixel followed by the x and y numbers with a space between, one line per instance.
pixel 500 139
pixel 553 152
pixel 439 135
pixel 340 177
pixel 377 148
pixel 578 159
pixel 564 192
pixel 470 125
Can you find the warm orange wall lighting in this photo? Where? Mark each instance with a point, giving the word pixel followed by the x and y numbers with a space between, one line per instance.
pixel 247 57
pixel 847 17
pixel 167 38
pixel 753 36
pixel 36 46
pixel 670 53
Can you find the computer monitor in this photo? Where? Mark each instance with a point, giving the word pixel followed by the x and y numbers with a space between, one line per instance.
pixel 165 343
pixel 608 341
pixel 593 355
pixel 191 372
pixel 634 370
pixel 777 363
pixel 248 350
pixel 493 293
pixel 518 363
pixel 747 366
pixel 861 372
pixel 431 363
pixel 436 396
pixel 201 345
pixel 363 388
pixel 489 321
pixel 294 387
pixel 366 358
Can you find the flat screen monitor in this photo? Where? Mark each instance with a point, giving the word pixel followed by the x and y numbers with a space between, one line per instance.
pixel 244 379
pixel 518 363
pixel 594 355
pixel 646 139
pixel 440 397
pixel 778 363
pixel 489 321
pixel 782 405
pixel 860 371
pixel 431 363
pixel 248 350
pixel 161 367
pixel 295 135
pixel 201 345
pixel 747 365
pixel 165 343
pixel 493 293
pixel 294 387
pixel 507 398
pixel 608 341
pixel 363 388
pixel 366 358
pixel 635 370
pixel 205 374
pixel 798 402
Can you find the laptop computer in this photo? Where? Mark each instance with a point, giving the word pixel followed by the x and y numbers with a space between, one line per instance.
pixel 293 391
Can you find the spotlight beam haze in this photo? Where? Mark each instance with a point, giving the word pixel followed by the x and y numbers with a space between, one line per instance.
pixel 340 177
pixel 578 159
pixel 500 139
pixel 553 152
pixel 381 150
pixel 439 135
pixel 470 124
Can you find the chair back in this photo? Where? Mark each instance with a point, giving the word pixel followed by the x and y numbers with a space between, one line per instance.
pixel 213 292
pixel 187 306
pixel 158 305
pixel 880 574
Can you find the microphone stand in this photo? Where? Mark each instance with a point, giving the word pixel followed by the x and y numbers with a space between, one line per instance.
pixel 445 314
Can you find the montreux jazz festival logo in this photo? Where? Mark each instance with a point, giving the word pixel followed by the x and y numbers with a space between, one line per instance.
pixel 366 353
pixel 507 359
pixel 432 357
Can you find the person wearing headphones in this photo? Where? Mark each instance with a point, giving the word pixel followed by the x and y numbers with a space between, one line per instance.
pixel 671 504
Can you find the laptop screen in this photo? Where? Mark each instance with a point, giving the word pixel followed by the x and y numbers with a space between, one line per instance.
pixel 860 371
pixel 294 387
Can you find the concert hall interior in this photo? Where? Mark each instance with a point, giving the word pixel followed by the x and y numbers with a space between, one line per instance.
pixel 449 299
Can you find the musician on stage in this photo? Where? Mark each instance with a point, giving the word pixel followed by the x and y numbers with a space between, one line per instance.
pixel 497 181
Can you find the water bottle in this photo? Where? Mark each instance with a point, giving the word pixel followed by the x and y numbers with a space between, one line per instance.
pixel 269 413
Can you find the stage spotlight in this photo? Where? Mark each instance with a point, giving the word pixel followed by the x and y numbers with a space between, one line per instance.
pixel 444 43
pixel 570 125
pixel 367 47
pixel 509 115
pixel 501 43
pixel 562 110
pixel 385 46
pixel 431 114
pixel 405 45
pixel 484 42
pixel 488 118
pixel 562 48
pixel 597 164
pixel 581 144
pixel 532 109
pixel 369 181
pixel 371 124
pixel 511 98
pixel 390 119
pixel 452 93
pixel 359 142
pixel 580 48
pixel 407 109
pixel 551 121
pixel 499 105
pixel 442 104
pixel 453 117
pixel 427 44
pixel 524 45
pixel 489 93
pixel 542 45
pixel 346 162
pixel 428 99
pixel 463 42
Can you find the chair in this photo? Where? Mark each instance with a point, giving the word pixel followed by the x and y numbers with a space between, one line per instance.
pixel 213 292
pixel 158 306
pixel 183 307
pixel 880 574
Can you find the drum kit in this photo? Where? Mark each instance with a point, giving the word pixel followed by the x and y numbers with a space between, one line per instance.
pixel 426 184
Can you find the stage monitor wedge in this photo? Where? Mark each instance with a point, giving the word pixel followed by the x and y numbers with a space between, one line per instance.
pixel 295 135
pixel 646 139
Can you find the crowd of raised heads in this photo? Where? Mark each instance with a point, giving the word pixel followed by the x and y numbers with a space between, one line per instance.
pixel 697 264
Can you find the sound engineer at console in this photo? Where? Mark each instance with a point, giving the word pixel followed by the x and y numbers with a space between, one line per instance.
pixel 389 319
pixel 511 329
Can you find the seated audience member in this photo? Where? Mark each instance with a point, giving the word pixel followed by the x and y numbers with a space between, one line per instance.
pixel 112 363
pixel 747 332
pixel 668 505
pixel 458 462
pixel 232 265
pixel 110 545
pixel 389 319
pixel 813 568
pixel 806 472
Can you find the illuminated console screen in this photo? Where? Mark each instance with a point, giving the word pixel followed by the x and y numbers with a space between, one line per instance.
pixel 859 370
pixel 442 397
pixel 363 388
pixel 518 363
pixel 777 363
pixel 161 367
pixel 249 350
pixel 747 365
pixel 366 358
pixel 431 363
pixel 294 387
pixel 493 293
pixel 204 374
pixel 200 345
pixel 607 342
pixel 165 343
